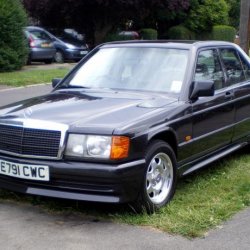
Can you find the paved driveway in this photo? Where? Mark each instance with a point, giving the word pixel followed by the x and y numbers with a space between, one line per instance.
pixel 27 227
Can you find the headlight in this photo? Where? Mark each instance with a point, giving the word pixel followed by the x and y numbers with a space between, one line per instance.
pixel 96 146
pixel 70 46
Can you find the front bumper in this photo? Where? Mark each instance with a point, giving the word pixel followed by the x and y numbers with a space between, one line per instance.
pixel 81 181
pixel 75 54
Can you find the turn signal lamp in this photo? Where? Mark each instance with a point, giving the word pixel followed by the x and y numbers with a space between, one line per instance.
pixel 119 147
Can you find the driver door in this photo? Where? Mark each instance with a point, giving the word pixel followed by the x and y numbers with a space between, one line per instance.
pixel 213 117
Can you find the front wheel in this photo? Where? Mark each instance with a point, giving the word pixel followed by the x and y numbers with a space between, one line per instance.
pixel 59 57
pixel 159 178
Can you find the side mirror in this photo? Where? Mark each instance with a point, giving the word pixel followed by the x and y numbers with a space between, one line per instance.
pixel 202 88
pixel 55 82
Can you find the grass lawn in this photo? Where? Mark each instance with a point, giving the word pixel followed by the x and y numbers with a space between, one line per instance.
pixel 23 78
pixel 202 201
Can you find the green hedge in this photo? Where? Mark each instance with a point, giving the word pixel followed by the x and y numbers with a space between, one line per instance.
pixel 13 48
pixel 115 37
pixel 223 33
pixel 181 33
pixel 203 36
pixel 148 34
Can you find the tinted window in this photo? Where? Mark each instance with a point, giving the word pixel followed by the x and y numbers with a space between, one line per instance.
pixel 233 66
pixel 208 67
pixel 39 35
pixel 246 67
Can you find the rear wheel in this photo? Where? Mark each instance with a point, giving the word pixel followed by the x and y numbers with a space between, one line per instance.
pixel 59 57
pixel 159 178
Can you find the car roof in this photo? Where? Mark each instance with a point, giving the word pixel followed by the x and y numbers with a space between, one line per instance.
pixel 34 28
pixel 182 44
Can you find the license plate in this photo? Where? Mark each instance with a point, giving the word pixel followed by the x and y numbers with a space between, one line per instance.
pixel 24 171
pixel 45 45
pixel 83 52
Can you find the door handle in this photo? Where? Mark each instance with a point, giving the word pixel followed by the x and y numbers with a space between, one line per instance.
pixel 229 95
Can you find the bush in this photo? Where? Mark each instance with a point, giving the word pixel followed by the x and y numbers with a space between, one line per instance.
pixel 13 48
pixel 223 33
pixel 180 32
pixel 148 34
pixel 116 37
pixel 203 15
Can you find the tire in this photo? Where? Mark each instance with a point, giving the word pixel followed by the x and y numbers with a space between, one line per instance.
pixel 159 181
pixel 59 57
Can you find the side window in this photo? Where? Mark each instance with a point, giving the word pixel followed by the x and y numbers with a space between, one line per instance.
pixel 246 67
pixel 233 66
pixel 40 35
pixel 208 67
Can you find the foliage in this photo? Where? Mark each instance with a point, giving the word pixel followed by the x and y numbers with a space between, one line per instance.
pixel 223 33
pixel 234 12
pixel 203 36
pixel 13 50
pixel 148 34
pixel 203 15
pixel 116 37
pixel 97 17
pixel 180 32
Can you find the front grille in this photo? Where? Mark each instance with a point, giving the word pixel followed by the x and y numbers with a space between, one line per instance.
pixel 29 141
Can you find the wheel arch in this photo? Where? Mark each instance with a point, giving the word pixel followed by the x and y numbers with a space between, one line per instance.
pixel 168 136
pixel 60 49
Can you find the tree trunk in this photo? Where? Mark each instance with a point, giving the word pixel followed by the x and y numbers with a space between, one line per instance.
pixel 245 25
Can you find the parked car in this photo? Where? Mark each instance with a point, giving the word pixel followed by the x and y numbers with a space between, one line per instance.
pixel 127 122
pixel 129 35
pixel 41 46
pixel 70 46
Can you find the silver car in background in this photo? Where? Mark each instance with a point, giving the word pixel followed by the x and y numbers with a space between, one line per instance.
pixel 41 47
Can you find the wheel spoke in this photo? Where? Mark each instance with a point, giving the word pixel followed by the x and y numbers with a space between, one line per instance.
pixel 150 188
pixel 157 192
pixel 159 161
pixel 150 177
pixel 162 164
pixel 154 165
pixel 166 174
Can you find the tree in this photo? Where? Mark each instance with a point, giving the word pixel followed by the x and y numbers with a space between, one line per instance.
pixel 13 49
pixel 245 25
pixel 97 17
pixel 234 12
pixel 204 14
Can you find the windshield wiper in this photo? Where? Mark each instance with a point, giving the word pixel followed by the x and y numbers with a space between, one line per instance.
pixel 73 87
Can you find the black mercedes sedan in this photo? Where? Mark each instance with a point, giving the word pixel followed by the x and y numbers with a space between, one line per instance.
pixel 127 122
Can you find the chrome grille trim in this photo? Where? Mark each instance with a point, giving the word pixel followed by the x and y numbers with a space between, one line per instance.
pixel 38 127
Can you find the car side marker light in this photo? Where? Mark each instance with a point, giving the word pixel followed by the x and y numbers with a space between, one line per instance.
pixel 188 138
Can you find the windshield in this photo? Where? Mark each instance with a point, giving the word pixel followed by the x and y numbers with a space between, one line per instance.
pixel 149 69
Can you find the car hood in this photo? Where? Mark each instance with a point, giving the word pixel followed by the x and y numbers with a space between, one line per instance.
pixel 65 43
pixel 89 108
